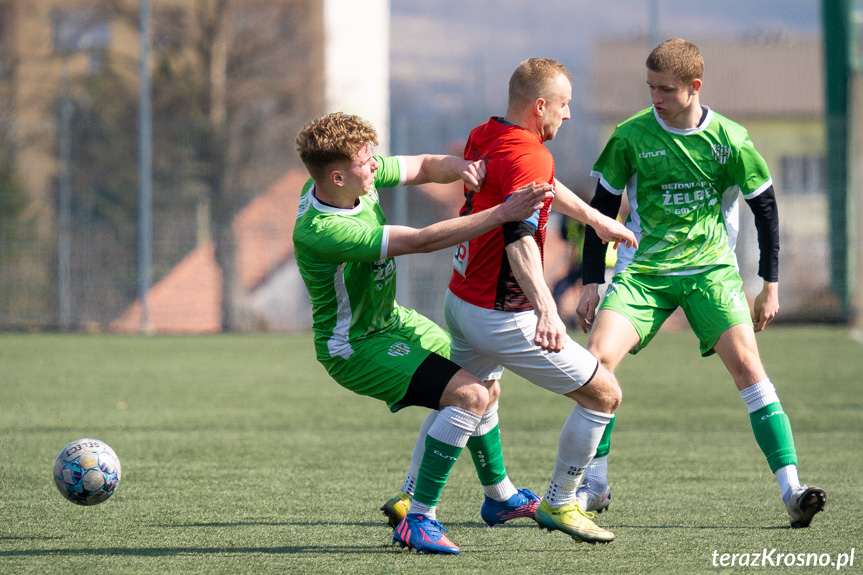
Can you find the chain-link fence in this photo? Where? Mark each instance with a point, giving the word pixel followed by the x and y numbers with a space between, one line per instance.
pixel 226 179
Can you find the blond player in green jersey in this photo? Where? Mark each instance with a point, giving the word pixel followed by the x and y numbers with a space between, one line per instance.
pixel 368 343
pixel 682 167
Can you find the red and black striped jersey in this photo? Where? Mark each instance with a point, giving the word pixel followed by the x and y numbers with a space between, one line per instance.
pixel 514 157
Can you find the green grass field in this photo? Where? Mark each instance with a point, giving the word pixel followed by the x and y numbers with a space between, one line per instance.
pixel 240 455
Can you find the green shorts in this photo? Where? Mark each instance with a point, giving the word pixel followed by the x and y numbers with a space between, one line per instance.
pixel 713 301
pixel 382 365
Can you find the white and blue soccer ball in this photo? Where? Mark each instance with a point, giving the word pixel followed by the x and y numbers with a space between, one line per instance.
pixel 87 471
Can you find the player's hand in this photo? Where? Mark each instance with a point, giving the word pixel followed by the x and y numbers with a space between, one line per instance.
pixel 766 305
pixel 522 203
pixel 610 231
pixel 586 310
pixel 473 175
pixel 550 332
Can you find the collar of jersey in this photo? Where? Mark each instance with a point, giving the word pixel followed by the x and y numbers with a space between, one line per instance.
pixel 322 207
pixel 687 131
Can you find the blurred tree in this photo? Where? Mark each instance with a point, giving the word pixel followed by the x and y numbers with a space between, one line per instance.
pixel 232 84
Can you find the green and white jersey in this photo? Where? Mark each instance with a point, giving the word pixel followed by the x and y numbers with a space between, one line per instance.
pixel 682 187
pixel 341 254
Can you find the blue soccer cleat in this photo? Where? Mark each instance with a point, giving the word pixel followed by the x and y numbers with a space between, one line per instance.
pixel 424 535
pixel 522 504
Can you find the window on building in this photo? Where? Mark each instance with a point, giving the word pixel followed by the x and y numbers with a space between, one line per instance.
pixel 802 175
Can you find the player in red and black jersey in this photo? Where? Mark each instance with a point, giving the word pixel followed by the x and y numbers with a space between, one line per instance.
pixel 482 274
pixel 499 309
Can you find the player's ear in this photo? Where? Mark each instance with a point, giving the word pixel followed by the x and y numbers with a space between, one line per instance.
pixel 336 177
pixel 539 106
pixel 695 86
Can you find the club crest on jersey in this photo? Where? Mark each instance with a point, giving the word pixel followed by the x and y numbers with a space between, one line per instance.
pixel 399 349
pixel 739 301
pixel 721 153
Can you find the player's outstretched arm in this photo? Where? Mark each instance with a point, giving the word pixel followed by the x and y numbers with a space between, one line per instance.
pixel 520 206
pixel 608 229
pixel 766 305
pixel 427 168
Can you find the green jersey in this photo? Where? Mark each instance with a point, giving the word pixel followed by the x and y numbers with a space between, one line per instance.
pixel 682 187
pixel 341 254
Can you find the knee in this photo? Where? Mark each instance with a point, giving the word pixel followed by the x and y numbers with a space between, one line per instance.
pixel 475 398
pixel 493 393
pixel 466 392
pixel 613 393
pixel 605 357
pixel 746 369
pixel 603 393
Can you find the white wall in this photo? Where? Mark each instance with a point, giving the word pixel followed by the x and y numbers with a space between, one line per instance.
pixel 356 58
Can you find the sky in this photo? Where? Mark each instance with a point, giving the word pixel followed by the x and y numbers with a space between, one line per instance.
pixel 451 59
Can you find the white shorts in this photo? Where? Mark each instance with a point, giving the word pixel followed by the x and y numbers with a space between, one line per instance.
pixel 485 341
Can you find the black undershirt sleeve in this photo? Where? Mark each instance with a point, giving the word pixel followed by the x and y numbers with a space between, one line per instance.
pixel 766 214
pixel 593 255
pixel 513 231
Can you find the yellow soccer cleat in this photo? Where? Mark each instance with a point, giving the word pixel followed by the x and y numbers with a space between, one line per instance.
pixel 397 508
pixel 573 521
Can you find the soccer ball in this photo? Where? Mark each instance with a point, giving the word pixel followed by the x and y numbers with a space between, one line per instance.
pixel 87 471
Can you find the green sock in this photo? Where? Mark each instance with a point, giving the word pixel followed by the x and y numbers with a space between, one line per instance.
pixel 487 457
pixel 438 461
pixel 773 433
pixel 605 441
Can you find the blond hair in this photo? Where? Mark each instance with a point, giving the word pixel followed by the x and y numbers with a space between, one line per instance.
pixel 534 78
pixel 332 139
pixel 679 58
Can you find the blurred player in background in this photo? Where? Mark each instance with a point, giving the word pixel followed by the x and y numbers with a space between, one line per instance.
pixel 370 345
pixel 683 167
pixel 572 232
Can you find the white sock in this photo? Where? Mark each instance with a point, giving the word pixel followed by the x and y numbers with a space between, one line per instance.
pixel 788 481
pixel 596 474
pixel 488 422
pixel 453 426
pixel 578 441
pixel 423 509
pixel 417 455
pixel 500 491
pixel 759 395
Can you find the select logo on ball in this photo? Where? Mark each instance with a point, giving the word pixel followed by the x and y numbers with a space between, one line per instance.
pixel 87 471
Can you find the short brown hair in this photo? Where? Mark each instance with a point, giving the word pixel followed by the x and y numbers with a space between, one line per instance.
pixel 678 57
pixel 333 138
pixel 533 78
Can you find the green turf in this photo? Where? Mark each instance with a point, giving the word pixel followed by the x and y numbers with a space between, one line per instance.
pixel 241 456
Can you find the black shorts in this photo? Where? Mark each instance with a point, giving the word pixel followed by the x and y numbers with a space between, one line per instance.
pixel 429 382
